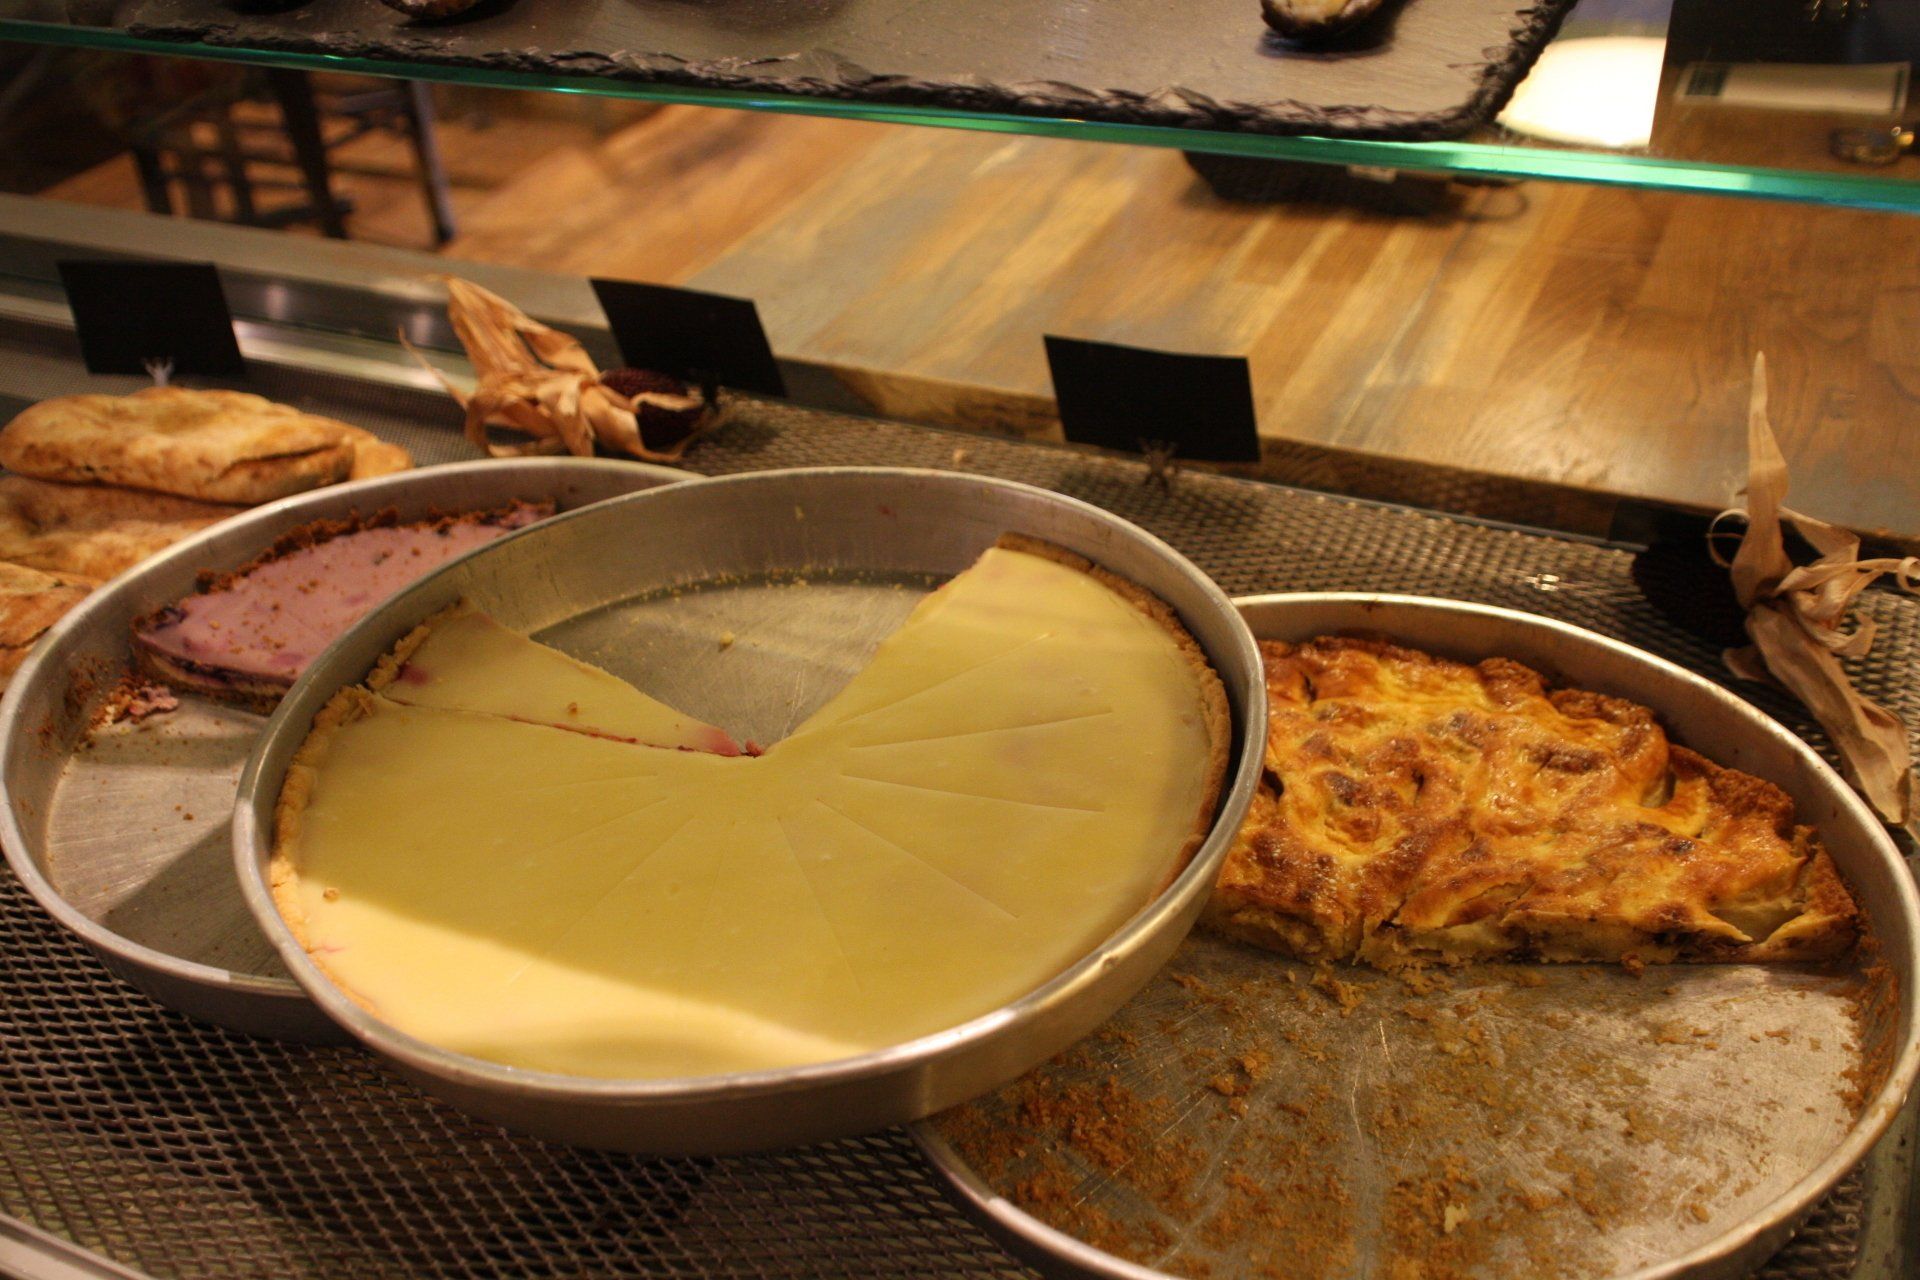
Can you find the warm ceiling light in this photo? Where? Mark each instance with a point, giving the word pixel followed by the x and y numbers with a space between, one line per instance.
pixel 1599 91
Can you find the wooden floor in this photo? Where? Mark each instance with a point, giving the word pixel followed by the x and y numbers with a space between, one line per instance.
pixel 1573 334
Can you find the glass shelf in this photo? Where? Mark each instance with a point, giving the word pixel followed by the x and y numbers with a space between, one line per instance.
pixel 1734 143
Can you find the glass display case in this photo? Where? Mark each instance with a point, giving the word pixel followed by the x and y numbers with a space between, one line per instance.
pixel 136 1142
pixel 1793 101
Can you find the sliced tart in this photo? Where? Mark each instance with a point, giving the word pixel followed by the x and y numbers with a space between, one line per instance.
pixel 542 879
pixel 246 636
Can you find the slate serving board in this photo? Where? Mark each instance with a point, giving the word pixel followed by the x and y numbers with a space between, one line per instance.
pixel 1421 69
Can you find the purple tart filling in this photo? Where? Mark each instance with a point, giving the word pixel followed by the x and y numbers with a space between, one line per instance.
pixel 265 622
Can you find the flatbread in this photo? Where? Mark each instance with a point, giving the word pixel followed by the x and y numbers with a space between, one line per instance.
pixel 30 602
pixel 373 456
pixel 217 446
pixel 93 531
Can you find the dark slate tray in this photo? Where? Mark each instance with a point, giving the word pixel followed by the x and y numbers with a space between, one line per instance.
pixel 1421 69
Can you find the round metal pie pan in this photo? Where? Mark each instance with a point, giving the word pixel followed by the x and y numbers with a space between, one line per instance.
pixel 1169 1038
pixel 123 837
pixel 657 575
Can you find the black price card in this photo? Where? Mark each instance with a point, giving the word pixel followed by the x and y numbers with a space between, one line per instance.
pixel 697 337
pixel 1129 397
pixel 130 314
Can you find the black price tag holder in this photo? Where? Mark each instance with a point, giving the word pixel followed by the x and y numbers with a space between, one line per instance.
pixel 697 337
pixel 129 314
pixel 1136 399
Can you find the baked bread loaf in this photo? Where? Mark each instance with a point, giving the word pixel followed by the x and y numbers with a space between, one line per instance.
pixel 215 446
pixel 373 456
pixel 93 531
pixel 30 602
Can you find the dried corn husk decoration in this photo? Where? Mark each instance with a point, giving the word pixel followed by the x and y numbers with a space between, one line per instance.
pixel 1796 615
pixel 538 381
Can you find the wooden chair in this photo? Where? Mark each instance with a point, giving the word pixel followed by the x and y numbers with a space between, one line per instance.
pixel 171 149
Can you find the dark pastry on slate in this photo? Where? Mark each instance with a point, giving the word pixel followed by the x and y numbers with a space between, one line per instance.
pixel 1307 20
pixel 430 8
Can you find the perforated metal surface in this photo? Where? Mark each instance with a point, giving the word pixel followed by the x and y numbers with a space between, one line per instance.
pixel 189 1152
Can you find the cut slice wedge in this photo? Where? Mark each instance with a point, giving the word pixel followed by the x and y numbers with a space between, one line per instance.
pixel 464 660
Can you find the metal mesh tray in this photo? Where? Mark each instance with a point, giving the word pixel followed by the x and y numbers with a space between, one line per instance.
pixel 186 1151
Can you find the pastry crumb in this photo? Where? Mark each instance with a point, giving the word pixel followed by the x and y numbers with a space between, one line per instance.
pixel 1347 995
pixel 1419 980
pixel 133 700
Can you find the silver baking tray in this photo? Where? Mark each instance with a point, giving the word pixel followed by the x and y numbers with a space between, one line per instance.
pixel 122 832
pixel 643 586
pixel 1245 1112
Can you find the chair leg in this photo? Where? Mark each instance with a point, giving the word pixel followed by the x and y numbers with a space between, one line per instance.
pixel 294 92
pixel 190 164
pixel 153 178
pixel 234 161
pixel 417 103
